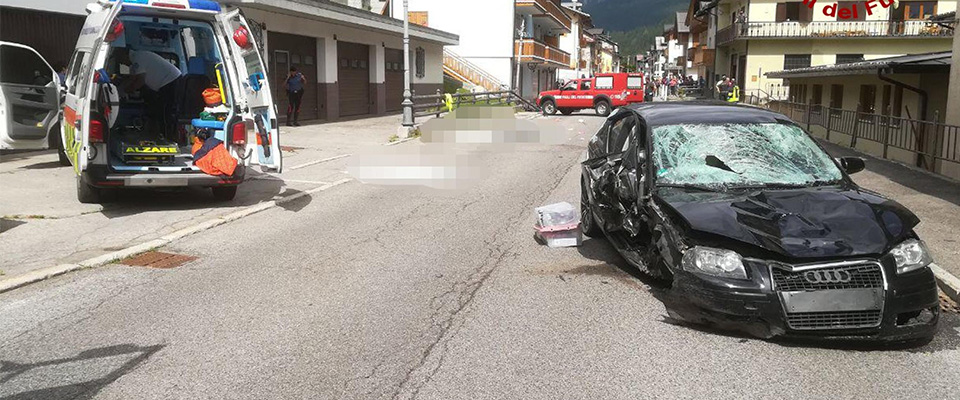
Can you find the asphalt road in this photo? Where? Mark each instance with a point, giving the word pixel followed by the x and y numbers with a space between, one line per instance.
pixel 374 292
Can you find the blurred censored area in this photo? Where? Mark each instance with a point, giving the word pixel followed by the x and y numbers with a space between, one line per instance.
pixel 453 151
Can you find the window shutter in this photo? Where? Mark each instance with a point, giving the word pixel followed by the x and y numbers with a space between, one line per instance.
pixel 806 13
pixel 781 12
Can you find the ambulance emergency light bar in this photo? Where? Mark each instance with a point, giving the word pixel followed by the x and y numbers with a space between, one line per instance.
pixel 194 5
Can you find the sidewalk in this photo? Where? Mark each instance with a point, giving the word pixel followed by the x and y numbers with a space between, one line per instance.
pixel 42 224
pixel 936 200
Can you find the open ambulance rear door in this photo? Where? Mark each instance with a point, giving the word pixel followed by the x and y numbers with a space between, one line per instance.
pixel 76 129
pixel 255 100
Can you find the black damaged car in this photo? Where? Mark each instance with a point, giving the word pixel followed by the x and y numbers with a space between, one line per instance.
pixel 755 226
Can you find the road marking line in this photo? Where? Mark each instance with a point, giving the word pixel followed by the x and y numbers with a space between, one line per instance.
pixel 304 165
pixel 49 272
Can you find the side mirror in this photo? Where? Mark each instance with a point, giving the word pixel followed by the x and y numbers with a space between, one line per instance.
pixel 852 165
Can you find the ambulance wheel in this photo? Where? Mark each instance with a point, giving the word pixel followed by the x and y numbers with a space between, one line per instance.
pixel 602 108
pixel 224 193
pixel 548 107
pixel 566 111
pixel 89 194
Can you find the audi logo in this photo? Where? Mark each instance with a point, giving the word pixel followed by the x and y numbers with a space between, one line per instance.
pixel 836 276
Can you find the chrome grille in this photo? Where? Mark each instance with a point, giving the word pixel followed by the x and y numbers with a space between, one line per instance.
pixel 834 320
pixel 866 275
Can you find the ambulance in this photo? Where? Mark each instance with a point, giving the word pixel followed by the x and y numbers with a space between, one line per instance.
pixel 167 93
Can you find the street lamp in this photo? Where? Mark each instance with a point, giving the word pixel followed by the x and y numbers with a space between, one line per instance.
pixel 407 95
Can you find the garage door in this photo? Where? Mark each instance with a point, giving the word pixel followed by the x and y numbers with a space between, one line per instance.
pixel 287 51
pixel 394 78
pixel 354 78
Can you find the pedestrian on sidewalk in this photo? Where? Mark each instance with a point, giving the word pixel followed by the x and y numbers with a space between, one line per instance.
pixel 294 85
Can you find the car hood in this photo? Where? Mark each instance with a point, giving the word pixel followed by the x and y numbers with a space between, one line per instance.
pixel 799 223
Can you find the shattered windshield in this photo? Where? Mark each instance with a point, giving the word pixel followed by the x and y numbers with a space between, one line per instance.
pixel 731 155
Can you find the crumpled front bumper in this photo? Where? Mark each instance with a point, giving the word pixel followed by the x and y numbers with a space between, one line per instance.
pixel 755 307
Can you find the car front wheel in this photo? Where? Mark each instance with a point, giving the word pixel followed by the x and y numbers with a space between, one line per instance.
pixel 549 107
pixel 588 223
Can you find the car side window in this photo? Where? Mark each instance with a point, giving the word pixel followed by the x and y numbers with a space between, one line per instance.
pixel 572 85
pixel 21 66
pixel 619 133
pixel 75 68
pixel 585 84
pixel 598 144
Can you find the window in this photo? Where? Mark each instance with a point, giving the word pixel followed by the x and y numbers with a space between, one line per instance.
pixel 868 101
pixel 798 93
pixel 917 10
pixel 76 68
pixel 794 11
pixel 421 62
pixel 23 67
pixel 848 5
pixel 794 61
pixel 849 58
pixel 816 98
pixel 585 84
pixel 572 85
pixel 885 102
pixel 605 82
pixel 897 101
pixel 634 82
pixel 295 59
pixel 619 133
pixel 836 99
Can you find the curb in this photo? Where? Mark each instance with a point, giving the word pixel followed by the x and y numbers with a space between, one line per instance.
pixel 949 284
pixel 49 272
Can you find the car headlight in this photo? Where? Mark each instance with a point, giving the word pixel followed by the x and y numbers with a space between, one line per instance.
pixel 716 262
pixel 911 255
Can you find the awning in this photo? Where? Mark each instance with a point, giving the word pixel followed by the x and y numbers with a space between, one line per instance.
pixel 913 63
pixel 339 14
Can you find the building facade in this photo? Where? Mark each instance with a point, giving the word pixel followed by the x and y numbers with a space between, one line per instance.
pixel 515 42
pixel 758 36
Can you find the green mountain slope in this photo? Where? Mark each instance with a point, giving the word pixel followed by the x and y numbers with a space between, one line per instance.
pixel 633 23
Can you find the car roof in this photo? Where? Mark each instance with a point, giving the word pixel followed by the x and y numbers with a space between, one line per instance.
pixel 703 112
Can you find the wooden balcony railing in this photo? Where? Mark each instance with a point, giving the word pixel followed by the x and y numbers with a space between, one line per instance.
pixel 831 29
pixel 548 7
pixel 531 50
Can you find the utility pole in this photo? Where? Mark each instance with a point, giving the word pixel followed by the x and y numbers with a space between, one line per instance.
pixel 523 29
pixel 407 95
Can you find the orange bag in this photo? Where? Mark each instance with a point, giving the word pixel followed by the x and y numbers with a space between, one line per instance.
pixel 212 97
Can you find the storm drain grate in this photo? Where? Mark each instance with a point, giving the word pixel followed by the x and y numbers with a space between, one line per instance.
pixel 948 305
pixel 156 259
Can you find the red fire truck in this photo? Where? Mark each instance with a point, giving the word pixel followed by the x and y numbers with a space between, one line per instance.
pixel 603 93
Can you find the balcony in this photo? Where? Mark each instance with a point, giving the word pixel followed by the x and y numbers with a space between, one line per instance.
pixel 701 55
pixel 831 30
pixel 547 10
pixel 534 51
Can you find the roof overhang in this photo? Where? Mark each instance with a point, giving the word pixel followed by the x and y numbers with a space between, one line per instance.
pixel 339 14
pixel 909 64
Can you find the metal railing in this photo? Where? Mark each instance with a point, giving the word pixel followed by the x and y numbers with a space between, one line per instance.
pixel 535 49
pixel 930 142
pixel 831 29
pixel 436 104
pixel 460 67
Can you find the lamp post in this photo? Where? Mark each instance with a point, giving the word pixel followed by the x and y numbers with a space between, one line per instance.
pixel 407 95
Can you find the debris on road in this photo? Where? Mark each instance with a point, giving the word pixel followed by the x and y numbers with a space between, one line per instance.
pixel 558 225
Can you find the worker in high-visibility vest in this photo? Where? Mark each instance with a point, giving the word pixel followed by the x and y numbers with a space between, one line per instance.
pixel 734 96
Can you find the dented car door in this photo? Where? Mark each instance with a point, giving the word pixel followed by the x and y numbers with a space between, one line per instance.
pixel 609 180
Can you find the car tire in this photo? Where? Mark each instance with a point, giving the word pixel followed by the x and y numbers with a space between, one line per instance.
pixel 602 108
pixel 56 142
pixel 588 222
pixel 548 107
pixel 566 111
pixel 224 193
pixel 87 193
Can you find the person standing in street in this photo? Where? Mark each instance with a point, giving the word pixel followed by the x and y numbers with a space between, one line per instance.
pixel 294 86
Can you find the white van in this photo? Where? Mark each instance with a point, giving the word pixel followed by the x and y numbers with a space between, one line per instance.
pixel 120 129
pixel 29 105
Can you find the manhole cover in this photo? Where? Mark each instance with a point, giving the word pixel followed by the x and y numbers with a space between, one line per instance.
pixel 948 305
pixel 156 259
